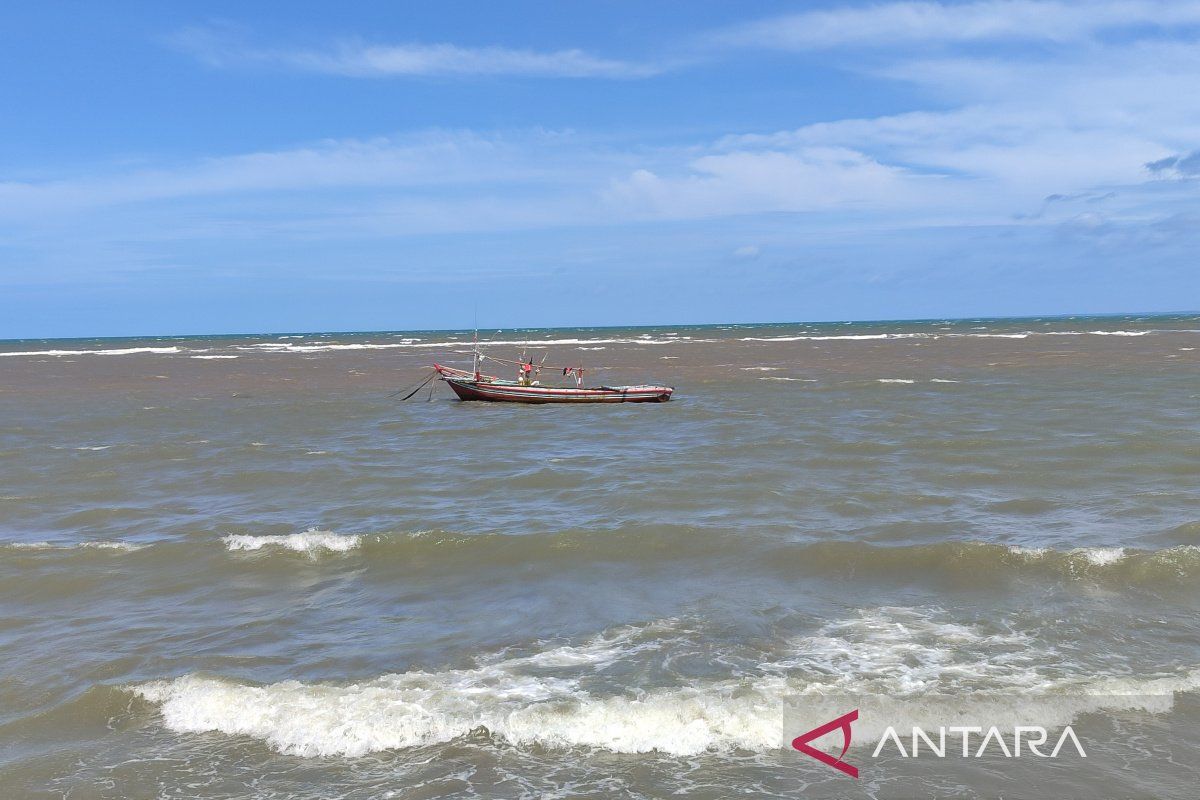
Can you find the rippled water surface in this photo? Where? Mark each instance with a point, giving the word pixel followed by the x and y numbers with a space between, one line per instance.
pixel 234 567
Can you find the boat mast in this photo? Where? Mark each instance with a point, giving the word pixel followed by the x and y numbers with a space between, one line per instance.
pixel 475 354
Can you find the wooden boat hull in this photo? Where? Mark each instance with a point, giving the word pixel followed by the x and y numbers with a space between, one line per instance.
pixel 495 392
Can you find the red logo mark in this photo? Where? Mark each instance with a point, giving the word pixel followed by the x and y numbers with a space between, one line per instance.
pixel 801 743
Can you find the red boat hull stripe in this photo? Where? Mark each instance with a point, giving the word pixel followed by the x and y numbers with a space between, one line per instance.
pixel 469 390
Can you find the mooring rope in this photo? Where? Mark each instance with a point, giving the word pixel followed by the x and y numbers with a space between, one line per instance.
pixel 420 385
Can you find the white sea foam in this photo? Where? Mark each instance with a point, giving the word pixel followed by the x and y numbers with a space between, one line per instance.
pixel 127 547
pixel 311 541
pixel 845 337
pixel 1101 556
pixel 1095 556
pixel 942 380
pixel 118 352
pixel 782 378
pixel 288 347
pixel 513 698
pixel 318 346
pixel 924 335
pixel 895 380
pixel 541 699
pixel 990 335
pixel 761 369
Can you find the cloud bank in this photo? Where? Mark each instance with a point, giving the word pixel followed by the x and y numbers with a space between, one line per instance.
pixel 905 23
pixel 358 59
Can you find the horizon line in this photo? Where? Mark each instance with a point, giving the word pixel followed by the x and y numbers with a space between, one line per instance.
pixel 760 323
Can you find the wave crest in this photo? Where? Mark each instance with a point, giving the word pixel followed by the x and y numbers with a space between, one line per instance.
pixel 545 699
pixel 127 547
pixel 311 542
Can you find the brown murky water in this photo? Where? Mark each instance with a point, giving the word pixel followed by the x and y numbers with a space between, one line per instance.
pixel 232 567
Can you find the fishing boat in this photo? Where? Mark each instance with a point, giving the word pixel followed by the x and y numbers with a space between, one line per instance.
pixel 476 386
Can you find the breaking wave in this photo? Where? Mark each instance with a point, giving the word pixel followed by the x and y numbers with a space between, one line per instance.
pixel 956 560
pixel 124 351
pixel 551 698
pixel 311 541
pixel 966 563
pixel 126 547
pixel 313 345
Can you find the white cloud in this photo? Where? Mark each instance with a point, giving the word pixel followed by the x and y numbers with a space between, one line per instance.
pixel 357 59
pixel 899 23
pixel 437 160
pixel 1008 132
pixel 1021 128
pixel 749 181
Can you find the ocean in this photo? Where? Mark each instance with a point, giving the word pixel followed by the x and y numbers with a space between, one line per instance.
pixel 235 567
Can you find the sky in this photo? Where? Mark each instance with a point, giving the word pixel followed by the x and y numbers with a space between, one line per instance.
pixel 220 167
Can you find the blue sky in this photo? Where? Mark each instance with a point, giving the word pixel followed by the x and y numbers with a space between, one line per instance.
pixel 230 167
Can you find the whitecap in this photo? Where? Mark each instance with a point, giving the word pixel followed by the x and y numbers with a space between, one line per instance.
pixel 991 335
pixel 540 700
pixel 287 347
pixel 1100 556
pixel 846 337
pixel 127 547
pixel 117 352
pixel 311 541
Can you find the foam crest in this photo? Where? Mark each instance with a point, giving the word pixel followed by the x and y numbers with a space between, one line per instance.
pixel 126 547
pixel 849 337
pixel 311 542
pixel 1101 556
pixel 970 561
pixel 902 651
pixel 1095 556
pixel 124 351
pixel 541 699
pixel 290 347
pixel 414 709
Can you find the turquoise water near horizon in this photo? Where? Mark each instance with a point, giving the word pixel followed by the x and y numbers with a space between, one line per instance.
pixel 884 323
